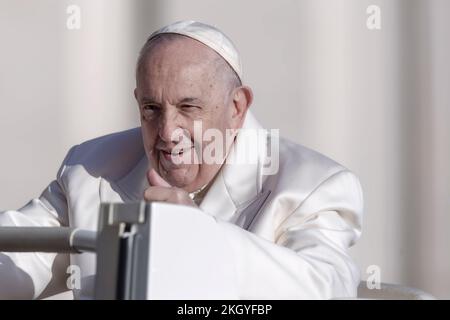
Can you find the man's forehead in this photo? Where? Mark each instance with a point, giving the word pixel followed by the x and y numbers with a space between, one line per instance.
pixel 177 67
pixel 180 50
pixel 181 73
pixel 175 89
pixel 189 76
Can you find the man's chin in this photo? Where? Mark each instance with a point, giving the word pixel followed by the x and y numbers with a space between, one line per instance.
pixel 177 177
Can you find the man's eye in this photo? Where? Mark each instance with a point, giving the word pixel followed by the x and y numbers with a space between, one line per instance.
pixel 188 106
pixel 149 111
pixel 149 107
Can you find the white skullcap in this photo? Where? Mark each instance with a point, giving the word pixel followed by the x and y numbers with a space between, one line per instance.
pixel 208 35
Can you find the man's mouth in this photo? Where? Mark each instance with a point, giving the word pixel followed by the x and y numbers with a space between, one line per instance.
pixel 169 155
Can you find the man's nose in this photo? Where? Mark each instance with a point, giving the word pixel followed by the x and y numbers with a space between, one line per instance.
pixel 169 128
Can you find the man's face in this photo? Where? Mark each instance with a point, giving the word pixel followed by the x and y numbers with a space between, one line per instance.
pixel 179 83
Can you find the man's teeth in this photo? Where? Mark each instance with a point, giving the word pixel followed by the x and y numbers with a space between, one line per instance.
pixel 175 153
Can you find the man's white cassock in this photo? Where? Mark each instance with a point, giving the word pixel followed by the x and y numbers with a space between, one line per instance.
pixel 289 232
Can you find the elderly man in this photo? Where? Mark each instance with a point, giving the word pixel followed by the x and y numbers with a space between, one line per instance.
pixel 289 229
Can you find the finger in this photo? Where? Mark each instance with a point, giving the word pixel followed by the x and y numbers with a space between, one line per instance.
pixel 170 195
pixel 154 179
pixel 158 194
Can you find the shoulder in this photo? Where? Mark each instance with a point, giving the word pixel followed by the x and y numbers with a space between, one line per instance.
pixel 304 160
pixel 304 171
pixel 309 182
pixel 110 156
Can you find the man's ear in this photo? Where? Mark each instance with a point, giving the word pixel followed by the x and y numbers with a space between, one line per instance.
pixel 242 99
pixel 135 94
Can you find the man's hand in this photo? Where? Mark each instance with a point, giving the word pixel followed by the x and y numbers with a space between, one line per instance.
pixel 161 190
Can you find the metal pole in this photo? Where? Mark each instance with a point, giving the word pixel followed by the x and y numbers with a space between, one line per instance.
pixel 47 239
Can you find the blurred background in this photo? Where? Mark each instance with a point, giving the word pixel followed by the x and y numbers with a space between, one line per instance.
pixel 377 101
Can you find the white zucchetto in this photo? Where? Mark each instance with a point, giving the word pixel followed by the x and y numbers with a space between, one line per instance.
pixel 209 36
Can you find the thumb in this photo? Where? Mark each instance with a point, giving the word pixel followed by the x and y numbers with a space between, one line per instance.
pixel 155 180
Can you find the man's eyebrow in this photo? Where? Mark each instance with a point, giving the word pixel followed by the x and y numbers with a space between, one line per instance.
pixel 190 100
pixel 148 100
pixel 184 100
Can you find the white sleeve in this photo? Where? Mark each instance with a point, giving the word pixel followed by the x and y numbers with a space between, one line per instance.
pixel 309 258
pixel 26 275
